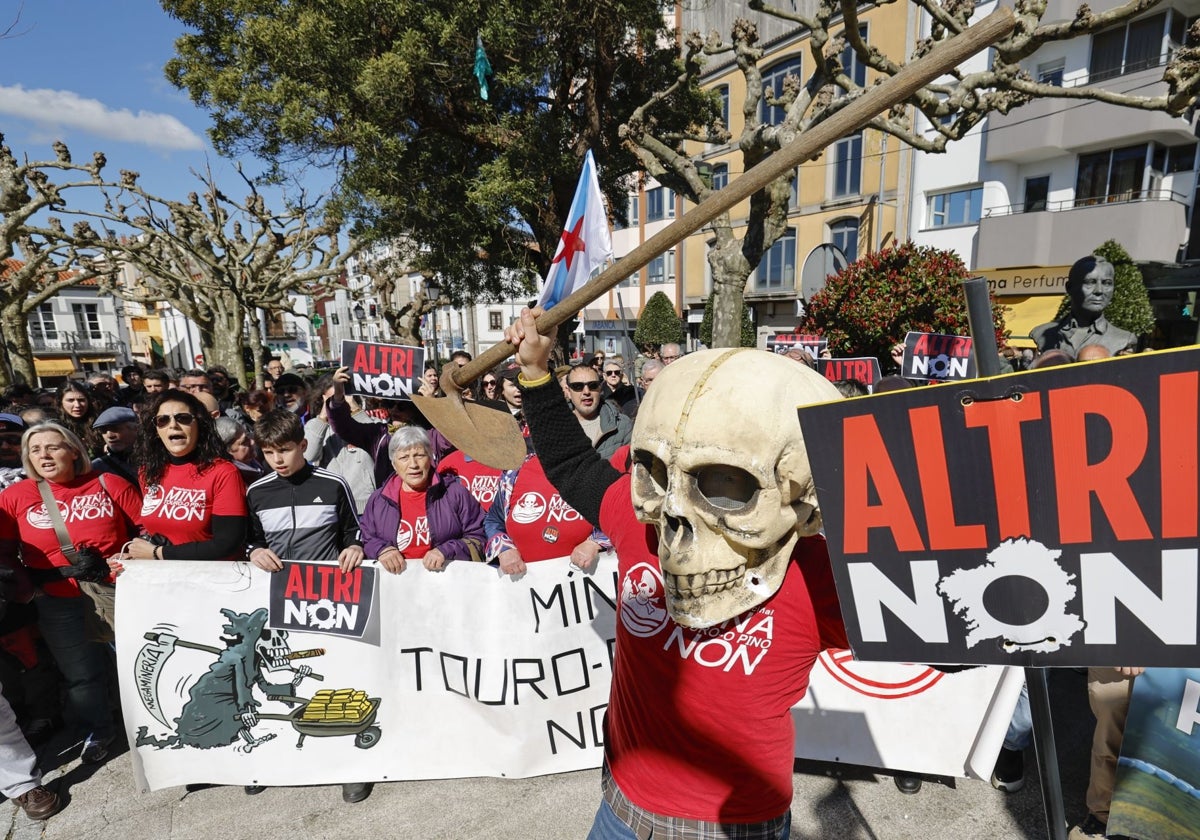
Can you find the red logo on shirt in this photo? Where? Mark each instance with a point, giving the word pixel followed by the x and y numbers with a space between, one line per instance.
pixel 643 604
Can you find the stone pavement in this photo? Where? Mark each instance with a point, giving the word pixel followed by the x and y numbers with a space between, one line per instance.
pixel 854 804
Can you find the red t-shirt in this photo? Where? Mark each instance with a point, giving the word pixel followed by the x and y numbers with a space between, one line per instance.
pixel 699 722
pixel 480 479
pixel 541 525
pixel 103 516
pixel 181 506
pixel 412 537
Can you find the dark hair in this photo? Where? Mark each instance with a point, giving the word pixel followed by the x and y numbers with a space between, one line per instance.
pixel 851 388
pixel 128 369
pixel 278 426
pixel 595 373
pixel 194 372
pixel 156 375
pixel 460 354
pixel 257 398
pixel 17 391
pixel 151 453
pixel 316 397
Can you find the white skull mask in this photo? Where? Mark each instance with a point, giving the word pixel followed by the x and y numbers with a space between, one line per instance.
pixel 720 470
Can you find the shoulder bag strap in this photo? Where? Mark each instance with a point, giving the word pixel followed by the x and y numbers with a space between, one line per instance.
pixel 60 527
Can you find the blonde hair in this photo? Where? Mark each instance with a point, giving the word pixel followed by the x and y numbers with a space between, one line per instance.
pixel 83 464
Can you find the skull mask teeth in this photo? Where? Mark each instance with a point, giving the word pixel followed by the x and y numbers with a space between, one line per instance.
pixel 274 649
pixel 725 479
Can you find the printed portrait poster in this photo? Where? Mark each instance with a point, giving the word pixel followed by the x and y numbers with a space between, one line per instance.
pixel 1040 518
pixel 391 371
pixel 1157 794
pixel 783 342
pixel 938 358
pixel 863 368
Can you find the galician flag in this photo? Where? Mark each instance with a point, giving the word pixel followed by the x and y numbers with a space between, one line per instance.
pixel 586 243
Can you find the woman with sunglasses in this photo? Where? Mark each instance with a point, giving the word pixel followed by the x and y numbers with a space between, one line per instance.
pixel 194 504
pixel 489 387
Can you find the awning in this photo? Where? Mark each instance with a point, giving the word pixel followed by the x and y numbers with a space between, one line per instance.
pixel 1022 314
pixel 97 360
pixel 53 367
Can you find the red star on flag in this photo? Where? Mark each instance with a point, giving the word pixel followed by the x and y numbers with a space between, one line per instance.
pixel 569 244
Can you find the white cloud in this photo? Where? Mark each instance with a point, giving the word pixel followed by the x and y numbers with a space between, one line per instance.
pixel 65 109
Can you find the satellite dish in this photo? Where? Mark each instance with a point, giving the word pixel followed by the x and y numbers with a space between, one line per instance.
pixel 821 261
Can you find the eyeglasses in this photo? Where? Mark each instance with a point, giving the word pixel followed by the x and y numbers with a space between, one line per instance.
pixel 183 418
pixel 579 386
pixel 612 373
pixel 10 440
pixel 489 383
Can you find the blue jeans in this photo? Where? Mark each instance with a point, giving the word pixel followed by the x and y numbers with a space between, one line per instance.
pixel 82 662
pixel 1020 728
pixel 608 826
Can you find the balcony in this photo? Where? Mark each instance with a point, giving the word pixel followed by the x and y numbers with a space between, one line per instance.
pixel 74 342
pixel 282 331
pixel 1050 128
pixel 1150 225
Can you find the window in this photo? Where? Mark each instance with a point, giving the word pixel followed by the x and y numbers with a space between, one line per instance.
pixel 1037 190
pixel 1051 73
pixel 41 323
pixel 962 207
pixel 631 214
pixel 778 267
pixel 87 320
pixel 847 166
pixel 852 64
pixel 1114 175
pixel 662 268
pixel 794 194
pixel 772 81
pixel 720 176
pixel 660 204
pixel 1181 158
pixel 1128 48
pixel 844 234
pixel 723 94
pixel 495 319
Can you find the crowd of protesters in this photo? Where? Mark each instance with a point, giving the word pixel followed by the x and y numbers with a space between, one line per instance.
pixel 95 472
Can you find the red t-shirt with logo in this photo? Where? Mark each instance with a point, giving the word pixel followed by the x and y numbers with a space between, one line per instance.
pixel 102 516
pixel 412 537
pixel 480 479
pixel 699 722
pixel 181 506
pixel 541 525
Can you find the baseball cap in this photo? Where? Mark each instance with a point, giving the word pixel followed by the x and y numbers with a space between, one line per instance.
pixel 113 416
pixel 288 380
pixel 11 423
pixel 510 371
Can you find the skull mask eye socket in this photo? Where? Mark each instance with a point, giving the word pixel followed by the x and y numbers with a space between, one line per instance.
pixel 726 487
pixel 653 468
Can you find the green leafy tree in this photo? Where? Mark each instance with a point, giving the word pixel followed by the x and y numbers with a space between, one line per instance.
pixel 874 302
pixel 384 91
pixel 658 323
pixel 748 337
pixel 1130 308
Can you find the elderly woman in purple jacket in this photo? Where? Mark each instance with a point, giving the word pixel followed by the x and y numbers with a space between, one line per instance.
pixel 419 515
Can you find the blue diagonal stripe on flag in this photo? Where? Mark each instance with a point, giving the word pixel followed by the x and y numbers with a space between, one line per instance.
pixel 586 243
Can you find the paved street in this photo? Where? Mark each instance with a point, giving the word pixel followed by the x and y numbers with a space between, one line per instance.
pixel 855 805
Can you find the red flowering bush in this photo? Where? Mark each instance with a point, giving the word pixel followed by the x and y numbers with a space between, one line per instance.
pixel 875 301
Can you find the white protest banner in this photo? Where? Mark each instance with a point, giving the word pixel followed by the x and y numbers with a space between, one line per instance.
pixel 460 673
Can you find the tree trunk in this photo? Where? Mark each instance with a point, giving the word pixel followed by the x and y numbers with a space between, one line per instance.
pixel 257 342
pixel 730 270
pixel 224 340
pixel 17 365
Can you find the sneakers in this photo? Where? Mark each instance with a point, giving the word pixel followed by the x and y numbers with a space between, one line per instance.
pixel 96 749
pixel 38 731
pixel 1009 773
pixel 356 791
pixel 1089 829
pixel 39 803
pixel 907 784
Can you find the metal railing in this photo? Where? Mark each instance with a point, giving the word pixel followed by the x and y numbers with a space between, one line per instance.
pixel 69 342
pixel 1126 197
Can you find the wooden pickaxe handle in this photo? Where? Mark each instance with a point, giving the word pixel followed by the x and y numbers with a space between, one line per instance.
pixel 808 144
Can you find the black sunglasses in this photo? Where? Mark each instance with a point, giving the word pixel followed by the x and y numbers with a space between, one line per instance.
pixel 11 440
pixel 183 418
pixel 579 386
pixel 612 373
pixel 488 383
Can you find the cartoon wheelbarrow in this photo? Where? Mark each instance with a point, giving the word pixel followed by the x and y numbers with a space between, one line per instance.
pixel 366 733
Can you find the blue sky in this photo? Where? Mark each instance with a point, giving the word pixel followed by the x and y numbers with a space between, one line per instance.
pixel 91 74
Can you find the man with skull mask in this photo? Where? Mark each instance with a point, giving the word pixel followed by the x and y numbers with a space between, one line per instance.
pixel 724 604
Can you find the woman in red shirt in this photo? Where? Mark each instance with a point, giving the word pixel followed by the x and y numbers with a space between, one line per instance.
pixel 99 513
pixel 194 501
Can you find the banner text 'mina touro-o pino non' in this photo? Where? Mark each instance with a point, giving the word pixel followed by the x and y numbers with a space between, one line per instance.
pixel 1042 518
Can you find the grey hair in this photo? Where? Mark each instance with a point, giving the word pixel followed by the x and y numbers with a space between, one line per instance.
pixel 83 464
pixel 229 430
pixel 409 437
pixel 652 365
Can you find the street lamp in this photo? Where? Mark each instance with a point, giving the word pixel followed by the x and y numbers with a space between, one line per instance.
pixel 360 315
pixel 434 292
